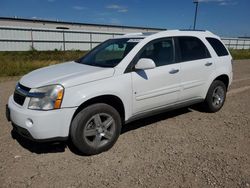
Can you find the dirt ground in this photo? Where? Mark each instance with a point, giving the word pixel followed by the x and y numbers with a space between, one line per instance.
pixel 183 148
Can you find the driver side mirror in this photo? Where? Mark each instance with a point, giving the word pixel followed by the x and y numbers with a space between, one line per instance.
pixel 144 64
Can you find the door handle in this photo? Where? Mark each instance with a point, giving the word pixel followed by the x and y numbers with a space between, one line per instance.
pixel 208 64
pixel 173 71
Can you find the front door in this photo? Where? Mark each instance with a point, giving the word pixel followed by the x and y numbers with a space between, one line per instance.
pixel 158 87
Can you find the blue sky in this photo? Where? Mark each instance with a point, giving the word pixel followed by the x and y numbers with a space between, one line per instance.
pixel 223 17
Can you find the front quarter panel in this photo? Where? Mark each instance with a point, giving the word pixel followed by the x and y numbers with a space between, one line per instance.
pixel 119 86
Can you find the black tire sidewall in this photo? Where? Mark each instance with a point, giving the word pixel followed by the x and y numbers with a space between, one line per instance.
pixel 209 98
pixel 79 123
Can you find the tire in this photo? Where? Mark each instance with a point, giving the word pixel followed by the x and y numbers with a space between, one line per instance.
pixel 216 96
pixel 95 129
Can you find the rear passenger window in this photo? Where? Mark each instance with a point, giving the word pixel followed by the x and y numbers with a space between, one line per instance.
pixel 218 47
pixel 192 48
pixel 160 51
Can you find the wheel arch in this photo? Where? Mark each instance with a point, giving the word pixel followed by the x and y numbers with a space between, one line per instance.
pixel 224 78
pixel 111 100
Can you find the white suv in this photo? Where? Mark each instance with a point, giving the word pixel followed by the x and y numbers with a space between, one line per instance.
pixel 122 79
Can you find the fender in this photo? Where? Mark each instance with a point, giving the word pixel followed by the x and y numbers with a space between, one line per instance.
pixel 119 86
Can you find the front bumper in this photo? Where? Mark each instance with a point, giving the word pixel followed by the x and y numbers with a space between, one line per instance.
pixel 40 125
pixel 7 113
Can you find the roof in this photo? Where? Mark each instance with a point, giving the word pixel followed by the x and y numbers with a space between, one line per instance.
pixel 76 23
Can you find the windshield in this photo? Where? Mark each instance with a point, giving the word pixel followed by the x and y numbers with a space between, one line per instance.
pixel 109 53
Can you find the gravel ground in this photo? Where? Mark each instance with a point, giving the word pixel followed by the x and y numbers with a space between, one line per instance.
pixel 183 148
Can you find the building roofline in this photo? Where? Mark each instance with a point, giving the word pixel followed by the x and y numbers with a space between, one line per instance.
pixel 77 23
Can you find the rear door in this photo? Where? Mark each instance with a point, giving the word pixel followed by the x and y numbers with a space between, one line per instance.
pixel 223 58
pixel 196 66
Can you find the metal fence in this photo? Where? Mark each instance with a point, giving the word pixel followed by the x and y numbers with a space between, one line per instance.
pixel 24 39
pixel 237 43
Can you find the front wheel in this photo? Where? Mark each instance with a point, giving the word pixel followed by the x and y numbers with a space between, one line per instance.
pixel 95 129
pixel 216 96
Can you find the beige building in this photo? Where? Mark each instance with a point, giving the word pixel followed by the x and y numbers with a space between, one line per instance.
pixel 18 34
pixel 49 24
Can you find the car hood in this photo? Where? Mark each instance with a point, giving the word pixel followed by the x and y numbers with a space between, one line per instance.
pixel 67 74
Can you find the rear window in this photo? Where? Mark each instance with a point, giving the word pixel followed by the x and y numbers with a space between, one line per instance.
pixel 218 47
pixel 192 48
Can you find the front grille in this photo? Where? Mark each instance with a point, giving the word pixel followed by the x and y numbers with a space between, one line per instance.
pixel 18 98
pixel 19 94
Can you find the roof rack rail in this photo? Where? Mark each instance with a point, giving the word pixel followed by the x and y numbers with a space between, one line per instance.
pixel 142 34
pixel 193 30
pixel 131 34
pixel 149 33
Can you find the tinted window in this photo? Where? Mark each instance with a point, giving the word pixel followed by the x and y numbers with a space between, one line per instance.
pixel 218 47
pixel 161 52
pixel 109 53
pixel 192 48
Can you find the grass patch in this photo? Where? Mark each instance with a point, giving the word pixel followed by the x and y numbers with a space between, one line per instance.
pixel 240 54
pixel 20 63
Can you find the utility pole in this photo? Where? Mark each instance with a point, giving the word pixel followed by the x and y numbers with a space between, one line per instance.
pixel 196 10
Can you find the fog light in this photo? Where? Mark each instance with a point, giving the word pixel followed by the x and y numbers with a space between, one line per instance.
pixel 29 122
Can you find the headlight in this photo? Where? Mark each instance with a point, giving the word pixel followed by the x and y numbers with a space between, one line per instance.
pixel 46 98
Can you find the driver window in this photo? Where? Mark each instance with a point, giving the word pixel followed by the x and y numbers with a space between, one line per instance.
pixel 161 52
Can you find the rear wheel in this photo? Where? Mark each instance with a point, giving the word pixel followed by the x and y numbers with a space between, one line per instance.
pixel 95 129
pixel 216 96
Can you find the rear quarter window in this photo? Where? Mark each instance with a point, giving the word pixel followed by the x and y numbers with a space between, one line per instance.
pixel 218 47
pixel 192 48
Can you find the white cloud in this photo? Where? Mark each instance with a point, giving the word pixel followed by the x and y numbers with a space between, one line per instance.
pixel 206 1
pixel 113 6
pixel 220 2
pixel 79 7
pixel 123 10
pixel 223 3
pixel 115 21
pixel 228 3
pixel 117 8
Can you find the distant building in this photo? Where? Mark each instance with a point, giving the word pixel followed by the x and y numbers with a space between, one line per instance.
pixel 18 34
pixel 49 24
